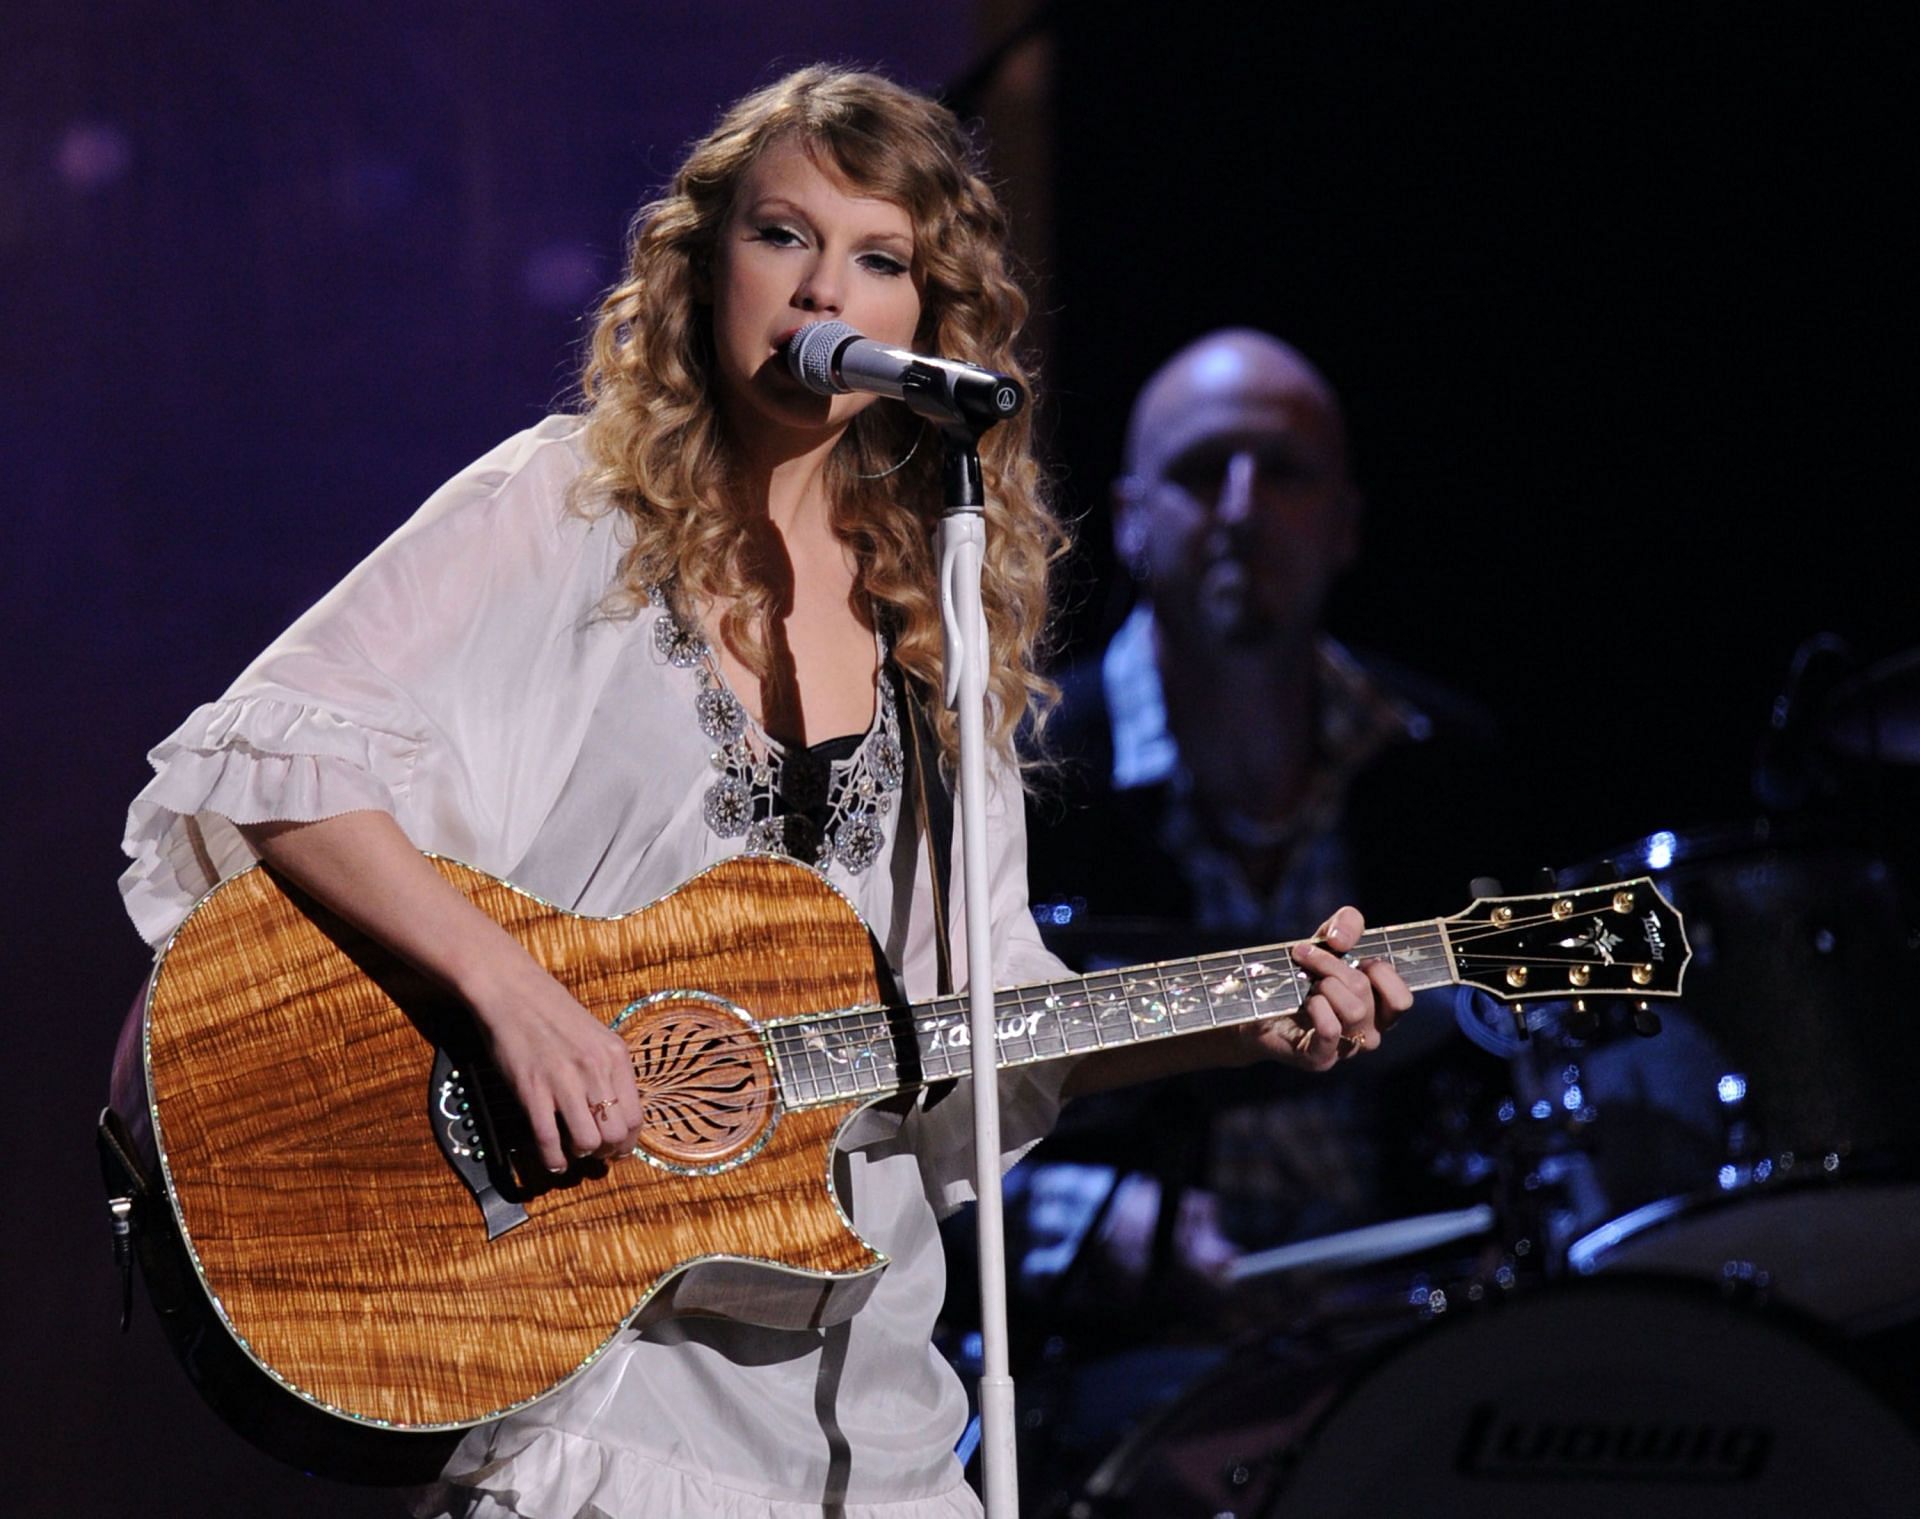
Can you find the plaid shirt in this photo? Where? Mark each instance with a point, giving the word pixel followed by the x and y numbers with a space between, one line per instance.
pixel 1356 719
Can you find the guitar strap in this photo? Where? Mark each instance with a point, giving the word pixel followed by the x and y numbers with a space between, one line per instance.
pixel 933 813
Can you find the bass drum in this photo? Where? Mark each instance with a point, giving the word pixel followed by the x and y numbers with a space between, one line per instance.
pixel 1593 1399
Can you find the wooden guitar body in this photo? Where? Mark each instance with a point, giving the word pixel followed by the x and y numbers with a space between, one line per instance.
pixel 294 1097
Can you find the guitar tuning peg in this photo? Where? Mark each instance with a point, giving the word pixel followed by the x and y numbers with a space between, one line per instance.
pixel 1583 1023
pixel 1520 1029
pixel 1646 1022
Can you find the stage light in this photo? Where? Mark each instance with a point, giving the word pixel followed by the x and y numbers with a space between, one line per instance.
pixel 93 155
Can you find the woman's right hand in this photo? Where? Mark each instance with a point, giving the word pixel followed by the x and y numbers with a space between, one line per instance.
pixel 571 1073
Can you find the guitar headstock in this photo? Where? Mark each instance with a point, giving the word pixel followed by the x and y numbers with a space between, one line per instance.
pixel 1623 939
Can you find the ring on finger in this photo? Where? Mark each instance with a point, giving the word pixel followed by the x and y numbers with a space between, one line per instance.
pixel 601 1108
pixel 1352 1044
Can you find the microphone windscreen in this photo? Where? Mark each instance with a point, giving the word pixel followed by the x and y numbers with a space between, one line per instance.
pixel 810 354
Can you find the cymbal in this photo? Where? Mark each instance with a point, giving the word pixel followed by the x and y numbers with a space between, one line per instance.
pixel 1875 716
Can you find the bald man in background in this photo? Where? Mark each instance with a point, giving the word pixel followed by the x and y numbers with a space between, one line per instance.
pixel 1231 773
pixel 1234 772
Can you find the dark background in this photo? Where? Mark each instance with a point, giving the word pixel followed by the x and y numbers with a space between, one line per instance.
pixel 1609 293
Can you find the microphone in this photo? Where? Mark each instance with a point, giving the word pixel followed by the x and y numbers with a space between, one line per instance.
pixel 831 359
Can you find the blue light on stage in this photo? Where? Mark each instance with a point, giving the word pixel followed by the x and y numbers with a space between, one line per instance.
pixel 1729 1178
pixel 1732 1087
pixel 1660 850
pixel 1542 1109
pixel 1571 1099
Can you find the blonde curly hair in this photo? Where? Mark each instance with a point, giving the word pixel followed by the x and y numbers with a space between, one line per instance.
pixel 658 447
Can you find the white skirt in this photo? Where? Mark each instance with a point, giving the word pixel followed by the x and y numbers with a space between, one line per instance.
pixel 558 1475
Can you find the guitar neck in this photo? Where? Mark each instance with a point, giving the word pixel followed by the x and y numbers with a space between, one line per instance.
pixel 876 1051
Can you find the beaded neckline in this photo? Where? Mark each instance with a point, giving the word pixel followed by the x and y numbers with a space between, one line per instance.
pixel 785 799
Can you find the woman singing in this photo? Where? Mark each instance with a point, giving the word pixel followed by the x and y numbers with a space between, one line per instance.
pixel 631 642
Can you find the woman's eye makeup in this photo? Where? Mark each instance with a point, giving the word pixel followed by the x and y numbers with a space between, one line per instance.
pixel 874 260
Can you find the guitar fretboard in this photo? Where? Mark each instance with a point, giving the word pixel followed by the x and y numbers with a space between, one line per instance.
pixel 875 1051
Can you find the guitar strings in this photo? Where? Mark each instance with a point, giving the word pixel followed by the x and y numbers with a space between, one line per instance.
pixel 877 1018
pixel 803 1043
pixel 866 1034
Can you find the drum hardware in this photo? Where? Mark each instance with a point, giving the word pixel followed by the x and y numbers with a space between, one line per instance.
pixel 1793 762
pixel 1791 1036
pixel 1875 715
pixel 1367 1246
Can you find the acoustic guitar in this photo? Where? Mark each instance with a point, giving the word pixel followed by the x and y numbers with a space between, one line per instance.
pixel 321 1143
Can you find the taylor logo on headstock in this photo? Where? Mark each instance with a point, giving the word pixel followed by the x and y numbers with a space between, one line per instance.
pixel 1656 946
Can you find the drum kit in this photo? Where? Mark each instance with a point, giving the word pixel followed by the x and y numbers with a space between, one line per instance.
pixel 1683 1274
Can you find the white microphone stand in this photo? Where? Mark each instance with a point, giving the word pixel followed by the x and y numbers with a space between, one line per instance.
pixel 962 546
pixel 963 401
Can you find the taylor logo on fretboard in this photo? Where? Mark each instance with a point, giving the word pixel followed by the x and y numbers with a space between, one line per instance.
pixel 347 1182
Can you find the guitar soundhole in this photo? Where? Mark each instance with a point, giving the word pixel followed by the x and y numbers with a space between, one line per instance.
pixel 706 1090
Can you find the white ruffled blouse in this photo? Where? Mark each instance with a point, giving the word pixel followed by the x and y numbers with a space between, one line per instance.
pixel 466 679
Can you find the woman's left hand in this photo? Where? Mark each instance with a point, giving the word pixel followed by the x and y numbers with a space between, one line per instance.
pixel 1347 1010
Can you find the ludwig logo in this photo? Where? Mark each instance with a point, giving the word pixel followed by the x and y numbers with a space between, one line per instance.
pixel 1503 1446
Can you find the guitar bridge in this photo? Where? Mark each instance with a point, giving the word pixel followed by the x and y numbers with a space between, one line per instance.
pixel 466 1138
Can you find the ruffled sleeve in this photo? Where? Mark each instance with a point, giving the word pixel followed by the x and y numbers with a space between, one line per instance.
pixel 942 1135
pixel 248 759
pixel 447 681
